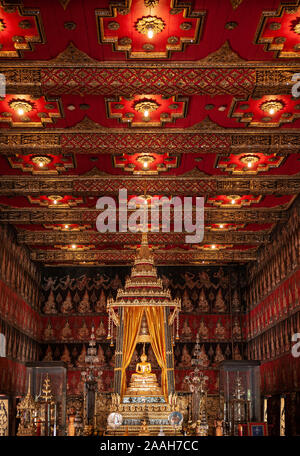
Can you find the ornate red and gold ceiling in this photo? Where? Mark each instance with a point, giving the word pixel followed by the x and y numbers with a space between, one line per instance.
pixel 161 97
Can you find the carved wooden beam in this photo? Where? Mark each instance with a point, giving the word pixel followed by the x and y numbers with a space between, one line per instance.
pixel 123 257
pixel 183 78
pixel 110 185
pixel 83 216
pixel 90 237
pixel 88 137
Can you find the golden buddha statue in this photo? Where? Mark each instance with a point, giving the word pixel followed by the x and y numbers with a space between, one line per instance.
pixel 144 428
pixel 143 382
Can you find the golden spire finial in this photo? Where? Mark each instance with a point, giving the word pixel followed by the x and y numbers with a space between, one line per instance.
pixel 29 384
pixel 144 238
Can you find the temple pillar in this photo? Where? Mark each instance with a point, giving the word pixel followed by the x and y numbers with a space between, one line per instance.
pixel 119 353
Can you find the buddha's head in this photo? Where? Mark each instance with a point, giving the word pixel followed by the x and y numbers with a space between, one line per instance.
pixel 143 357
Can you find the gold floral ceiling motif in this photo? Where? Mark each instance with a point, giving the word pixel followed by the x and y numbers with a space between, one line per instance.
pixel 145 105
pixel 2 25
pixel 21 106
pixel 295 26
pixel 249 159
pixel 150 23
pixel 272 106
pixel 41 160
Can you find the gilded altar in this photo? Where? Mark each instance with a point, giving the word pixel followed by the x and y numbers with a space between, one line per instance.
pixel 144 313
pixel 134 410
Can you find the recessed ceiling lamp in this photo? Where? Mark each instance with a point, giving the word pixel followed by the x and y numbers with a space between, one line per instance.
pixel 249 160
pixel 41 160
pixel 233 198
pixel 150 33
pixel 145 105
pixel 55 199
pixel 272 106
pixel 146 159
pixel 150 25
pixel 21 106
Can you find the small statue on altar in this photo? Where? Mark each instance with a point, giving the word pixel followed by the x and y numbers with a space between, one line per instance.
pixel 83 331
pixel 71 427
pixel 236 353
pixel 101 357
pixel 144 428
pixel 66 332
pixel 219 304
pixel 50 307
pixel 48 332
pixel 81 358
pixel 67 305
pixel 84 306
pixel 203 305
pixel 187 305
pixel 204 361
pixel 186 331
pixel 218 424
pixel 143 381
pixel 100 331
pixel 143 367
pixel 219 357
pixel 235 302
pixel 186 359
pixel 236 329
pixel 101 303
pixel 48 356
pixel 203 330
pixel 65 357
pixel 220 332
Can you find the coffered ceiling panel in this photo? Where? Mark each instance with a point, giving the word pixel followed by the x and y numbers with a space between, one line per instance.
pixel 160 97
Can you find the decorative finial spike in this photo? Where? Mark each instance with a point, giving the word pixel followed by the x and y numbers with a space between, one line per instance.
pixel 144 238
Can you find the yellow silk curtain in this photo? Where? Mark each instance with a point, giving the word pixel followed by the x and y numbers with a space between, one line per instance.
pixel 132 323
pixel 155 320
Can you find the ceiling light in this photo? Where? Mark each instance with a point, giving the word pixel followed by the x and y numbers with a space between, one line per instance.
pixel 150 33
pixel 232 201
pixel 20 112
pixel 145 164
pixel 54 201
pixel 272 111
pixel 213 246
pixel 73 246
pixel 221 226
pixel 66 226
pixel 41 160
pixel 249 164
pixel 146 113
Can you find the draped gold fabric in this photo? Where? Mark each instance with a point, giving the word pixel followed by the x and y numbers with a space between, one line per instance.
pixel 155 320
pixel 132 323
